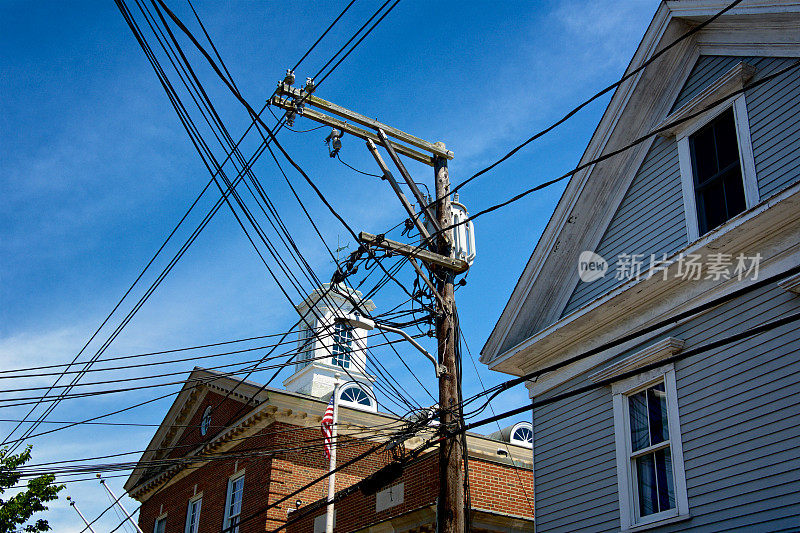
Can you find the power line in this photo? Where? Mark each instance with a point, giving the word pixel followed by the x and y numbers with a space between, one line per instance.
pixel 342 442
pixel 341 49
pixel 239 201
pixel 566 117
pixel 756 330
pixel 597 95
pixel 235 91
pixel 675 319
pixel 173 361
pixel 165 374
pixel 613 153
pixel 233 88
pixel 159 278
pixel 331 25
pixel 147 354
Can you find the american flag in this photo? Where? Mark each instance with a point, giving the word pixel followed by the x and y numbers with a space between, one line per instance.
pixel 327 429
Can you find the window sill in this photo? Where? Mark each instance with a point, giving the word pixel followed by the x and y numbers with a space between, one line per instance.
pixel 657 523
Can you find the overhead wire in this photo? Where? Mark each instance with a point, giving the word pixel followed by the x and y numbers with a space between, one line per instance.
pixel 612 153
pixel 322 36
pixel 273 138
pixel 670 321
pixel 152 376
pixel 499 429
pixel 359 41
pixel 179 254
pixel 235 91
pixel 197 81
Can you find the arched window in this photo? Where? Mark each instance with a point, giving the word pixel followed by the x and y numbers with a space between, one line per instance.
pixel 356 395
pixel 522 434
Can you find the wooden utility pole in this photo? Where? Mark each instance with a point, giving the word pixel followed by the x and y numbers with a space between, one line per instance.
pixel 440 260
pixel 450 513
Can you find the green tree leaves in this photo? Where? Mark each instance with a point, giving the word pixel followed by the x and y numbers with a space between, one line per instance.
pixel 18 509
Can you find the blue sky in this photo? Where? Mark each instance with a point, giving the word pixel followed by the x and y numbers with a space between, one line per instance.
pixel 96 169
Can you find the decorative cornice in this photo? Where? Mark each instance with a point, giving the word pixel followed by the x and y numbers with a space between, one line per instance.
pixel 725 85
pixel 653 353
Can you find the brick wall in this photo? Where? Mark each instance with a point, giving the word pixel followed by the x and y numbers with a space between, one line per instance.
pixel 223 414
pixel 267 480
pixel 501 488
pixel 496 488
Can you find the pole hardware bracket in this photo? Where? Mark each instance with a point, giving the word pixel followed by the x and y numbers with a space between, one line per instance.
pixel 409 250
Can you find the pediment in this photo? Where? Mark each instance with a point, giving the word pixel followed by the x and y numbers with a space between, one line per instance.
pixel 183 417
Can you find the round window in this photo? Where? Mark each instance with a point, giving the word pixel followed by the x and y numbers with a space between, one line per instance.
pixel 205 422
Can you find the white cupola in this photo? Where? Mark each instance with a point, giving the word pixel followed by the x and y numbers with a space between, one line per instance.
pixel 327 348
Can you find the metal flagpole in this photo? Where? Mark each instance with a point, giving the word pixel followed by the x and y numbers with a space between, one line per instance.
pixel 72 503
pixel 116 500
pixel 329 518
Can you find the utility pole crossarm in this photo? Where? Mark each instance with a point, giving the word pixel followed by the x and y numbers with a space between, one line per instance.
pixel 346 127
pixel 334 122
pixel 358 118
pixel 450 263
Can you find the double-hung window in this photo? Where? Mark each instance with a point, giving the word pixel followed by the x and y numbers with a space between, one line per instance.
pixel 233 503
pixel 652 485
pixel 342 345
pixel 717 172
pixel 161 525
pixel 193 515
pixel 715 154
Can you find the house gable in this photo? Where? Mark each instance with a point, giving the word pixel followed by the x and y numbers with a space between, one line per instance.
pixel 584 216
pixel 653 203
pixel 650 220
pixel 179 432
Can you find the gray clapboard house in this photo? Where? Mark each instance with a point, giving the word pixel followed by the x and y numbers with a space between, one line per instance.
pixel 709 441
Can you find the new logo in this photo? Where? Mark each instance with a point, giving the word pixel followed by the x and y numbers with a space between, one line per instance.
pixel 591 266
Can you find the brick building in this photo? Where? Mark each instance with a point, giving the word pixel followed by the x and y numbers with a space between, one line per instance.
pixel 229 455
pixel 274 448
pixel 500 493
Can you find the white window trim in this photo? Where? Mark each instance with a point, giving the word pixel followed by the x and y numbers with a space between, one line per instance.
pixel 235 477
pixel 193 499
pixel 627 504
pixel 746 160
pixel 357 405
pixel 518 442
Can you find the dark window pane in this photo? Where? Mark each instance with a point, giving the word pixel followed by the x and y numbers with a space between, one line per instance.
pixel 657 410
pixel 705 157
pixel 648 490
pixel 637 404
pixel 711 207
pixel 655 483
pixel 734 192
pixel 717 172
pixel 666 486
pixel 727 146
